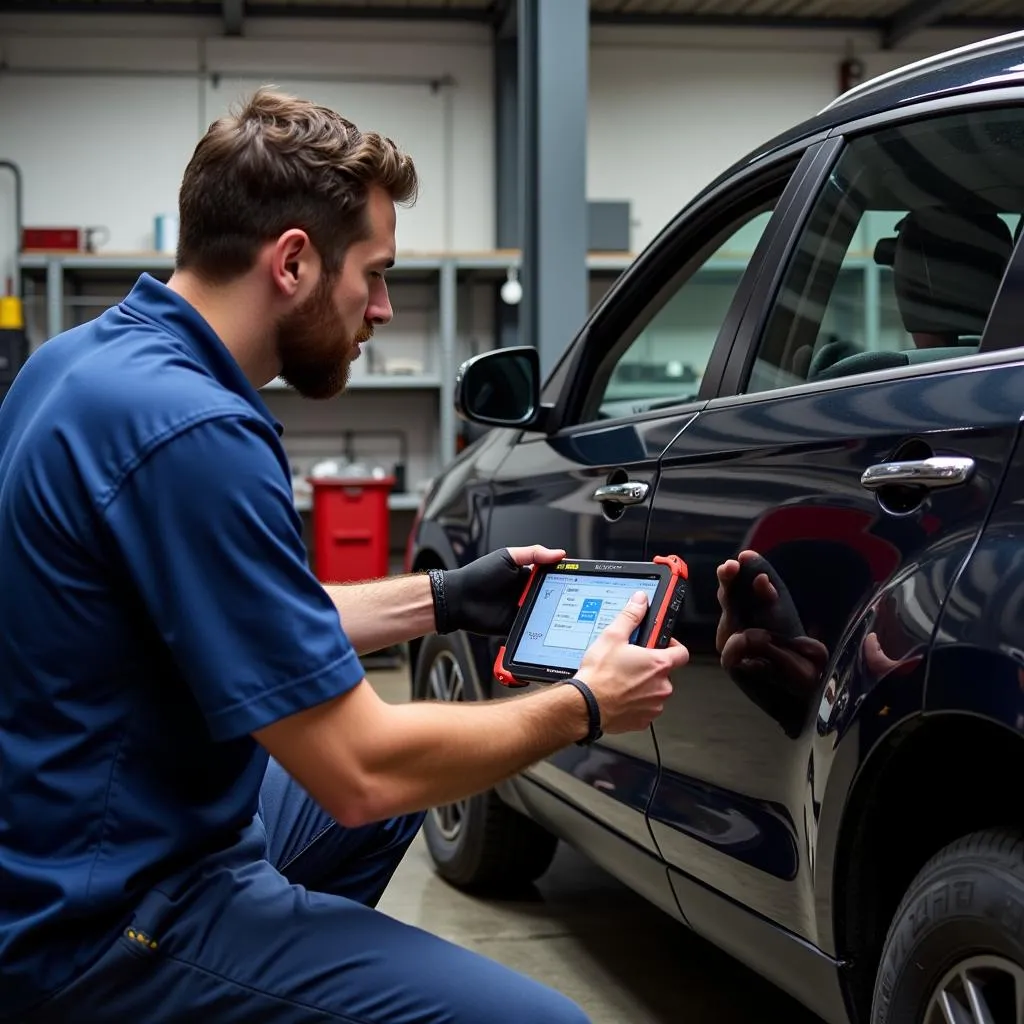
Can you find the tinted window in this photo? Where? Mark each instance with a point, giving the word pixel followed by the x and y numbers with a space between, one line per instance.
pixel 662 360
pixel 903 254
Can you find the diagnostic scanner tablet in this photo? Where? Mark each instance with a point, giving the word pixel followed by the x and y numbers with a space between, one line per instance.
pixel 566 605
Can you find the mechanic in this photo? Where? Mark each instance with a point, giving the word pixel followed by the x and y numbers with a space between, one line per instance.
pixel 201 797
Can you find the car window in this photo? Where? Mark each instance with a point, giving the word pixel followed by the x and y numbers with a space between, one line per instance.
pixel 903 254
pixel 662 359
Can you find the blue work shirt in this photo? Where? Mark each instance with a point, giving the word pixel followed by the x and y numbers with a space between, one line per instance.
pixel 156 607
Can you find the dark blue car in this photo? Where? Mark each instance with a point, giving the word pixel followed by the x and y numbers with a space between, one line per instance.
pixel 821 360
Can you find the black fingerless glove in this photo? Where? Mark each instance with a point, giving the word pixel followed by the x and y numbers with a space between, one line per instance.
pixel 482 597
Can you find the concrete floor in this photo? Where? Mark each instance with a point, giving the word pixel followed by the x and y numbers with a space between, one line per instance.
pixel 585 934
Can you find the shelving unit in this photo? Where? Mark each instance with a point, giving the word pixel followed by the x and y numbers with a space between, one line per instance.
pixel 51 279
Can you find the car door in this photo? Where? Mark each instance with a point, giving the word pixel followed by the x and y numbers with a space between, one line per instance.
pixel 816 455
pixel 639 372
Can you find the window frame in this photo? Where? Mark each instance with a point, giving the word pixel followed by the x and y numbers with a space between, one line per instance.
pixel 645 287
pixel 1007 309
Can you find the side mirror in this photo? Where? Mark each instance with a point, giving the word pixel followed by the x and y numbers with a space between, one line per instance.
pixel 500 388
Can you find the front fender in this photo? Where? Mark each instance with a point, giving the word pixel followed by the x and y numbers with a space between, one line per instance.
pixel 431 547
pixel 454 519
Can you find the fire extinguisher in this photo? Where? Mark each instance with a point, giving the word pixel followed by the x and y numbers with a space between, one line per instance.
pixel 851 73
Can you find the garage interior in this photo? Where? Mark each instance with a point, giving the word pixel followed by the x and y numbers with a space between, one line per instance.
pixel 554 140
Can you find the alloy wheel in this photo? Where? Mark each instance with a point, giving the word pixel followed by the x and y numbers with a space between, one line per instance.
pixel 446 683
pixel 981 990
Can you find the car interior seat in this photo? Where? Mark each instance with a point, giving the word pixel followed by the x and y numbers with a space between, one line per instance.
pixel 829 353
pixel 947 267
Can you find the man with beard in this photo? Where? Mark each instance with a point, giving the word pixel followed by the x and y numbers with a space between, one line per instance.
pixel 201 797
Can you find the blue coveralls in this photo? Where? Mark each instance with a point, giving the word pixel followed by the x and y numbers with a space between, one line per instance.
pixel 156 607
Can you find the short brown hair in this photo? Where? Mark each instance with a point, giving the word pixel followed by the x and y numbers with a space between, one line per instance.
pixel 275 163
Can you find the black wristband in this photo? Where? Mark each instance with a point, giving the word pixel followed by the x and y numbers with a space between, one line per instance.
pixel 594 731
pixel 440 604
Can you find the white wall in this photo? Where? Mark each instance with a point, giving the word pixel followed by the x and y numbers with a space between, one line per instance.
pixel 99 147
pixel 669 109
pixel 672 108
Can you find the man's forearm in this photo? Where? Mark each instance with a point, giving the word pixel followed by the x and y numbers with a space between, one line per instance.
pixel 364 760
pixel 384 612
pixel 433 753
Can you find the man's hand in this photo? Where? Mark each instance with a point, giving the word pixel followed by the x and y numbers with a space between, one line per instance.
pixel 631 683
pixel 483 597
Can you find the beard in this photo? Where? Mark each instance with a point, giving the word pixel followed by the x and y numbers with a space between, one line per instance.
pixel 315 349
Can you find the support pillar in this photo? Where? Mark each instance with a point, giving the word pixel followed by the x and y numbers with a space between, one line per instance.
pixel 506 163
pixel 553 65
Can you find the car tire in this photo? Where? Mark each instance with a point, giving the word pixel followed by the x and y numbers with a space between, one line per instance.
pixel 958 936
pixel 478 844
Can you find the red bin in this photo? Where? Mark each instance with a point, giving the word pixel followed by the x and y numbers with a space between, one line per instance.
pixel 351 528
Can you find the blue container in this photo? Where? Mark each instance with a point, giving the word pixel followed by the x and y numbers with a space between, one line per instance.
pixel 165 233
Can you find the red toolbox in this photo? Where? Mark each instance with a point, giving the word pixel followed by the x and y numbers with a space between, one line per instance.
pixel 351 528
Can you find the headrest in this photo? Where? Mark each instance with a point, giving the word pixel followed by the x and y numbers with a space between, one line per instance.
pixel 947 268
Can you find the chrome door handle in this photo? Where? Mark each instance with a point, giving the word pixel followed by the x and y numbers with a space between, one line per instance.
pixel 630 493
pixel 934 472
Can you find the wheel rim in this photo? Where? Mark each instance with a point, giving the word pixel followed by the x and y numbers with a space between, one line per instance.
pixel 980 990
pixel 446 683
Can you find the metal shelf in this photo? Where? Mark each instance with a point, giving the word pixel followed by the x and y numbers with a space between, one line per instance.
pixel 137 262
pixel 499 260
pixel 494 260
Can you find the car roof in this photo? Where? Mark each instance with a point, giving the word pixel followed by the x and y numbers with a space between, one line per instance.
pixel 989 63
pixel 992 61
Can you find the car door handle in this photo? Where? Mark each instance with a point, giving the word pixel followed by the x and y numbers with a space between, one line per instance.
pixel 938 471
pixel 630 493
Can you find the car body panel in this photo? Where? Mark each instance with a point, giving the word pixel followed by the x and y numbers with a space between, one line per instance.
pixel 734 812
pixel 791 963
pixel 544 488
pixel 630 863
pixel 737 803
pixel 452 520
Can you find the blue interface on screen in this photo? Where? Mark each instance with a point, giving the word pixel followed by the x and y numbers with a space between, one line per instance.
pixel 569 613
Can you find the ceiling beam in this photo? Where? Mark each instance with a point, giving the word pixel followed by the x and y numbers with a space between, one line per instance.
pixel 938 15
pixel 233 13
pixel 367 12
pixel 683 20
pixel 914 16
pixel 202 7
pixel 501 15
